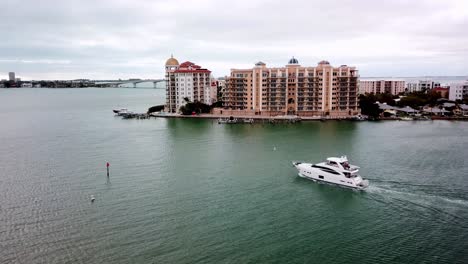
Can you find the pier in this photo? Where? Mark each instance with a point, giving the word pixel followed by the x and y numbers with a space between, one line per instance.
pixel 254 119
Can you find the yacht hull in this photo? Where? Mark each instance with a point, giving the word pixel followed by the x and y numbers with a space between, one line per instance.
pixel 320 181
pixel 307 171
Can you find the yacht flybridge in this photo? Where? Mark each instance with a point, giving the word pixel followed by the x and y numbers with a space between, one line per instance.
pixel 334 170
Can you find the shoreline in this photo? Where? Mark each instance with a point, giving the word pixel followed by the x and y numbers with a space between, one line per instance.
pixel 294 118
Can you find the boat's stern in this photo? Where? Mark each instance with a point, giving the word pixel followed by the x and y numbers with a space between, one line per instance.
pixel 363 184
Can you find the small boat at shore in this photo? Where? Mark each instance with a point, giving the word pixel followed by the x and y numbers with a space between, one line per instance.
pixel 117 111
pixel 334 171
pixel 230 120
pixel 359 118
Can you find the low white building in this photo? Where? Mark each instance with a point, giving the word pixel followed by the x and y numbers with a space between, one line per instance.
pixel 458 91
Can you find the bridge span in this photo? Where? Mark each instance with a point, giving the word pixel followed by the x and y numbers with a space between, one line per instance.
pixel 116 83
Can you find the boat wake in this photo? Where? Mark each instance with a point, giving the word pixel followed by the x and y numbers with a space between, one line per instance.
pixel 427 204
pixel 376 189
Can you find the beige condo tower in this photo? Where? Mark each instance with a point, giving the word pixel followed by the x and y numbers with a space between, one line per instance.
pixel 322 90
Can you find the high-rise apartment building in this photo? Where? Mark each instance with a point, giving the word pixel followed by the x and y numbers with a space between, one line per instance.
pixel 186 81
pixel 11 76
pixel 381 86
pixel 292 90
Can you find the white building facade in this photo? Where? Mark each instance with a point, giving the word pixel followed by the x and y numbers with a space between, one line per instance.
pixel 458 91
pixel 412 87
pixel 381 86
pixel 421 85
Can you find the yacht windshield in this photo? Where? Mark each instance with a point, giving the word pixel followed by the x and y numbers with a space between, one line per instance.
pixel 345 165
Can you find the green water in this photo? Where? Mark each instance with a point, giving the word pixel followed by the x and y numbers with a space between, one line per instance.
pixel 193 191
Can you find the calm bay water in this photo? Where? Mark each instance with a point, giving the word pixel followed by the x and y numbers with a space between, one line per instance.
pixel 193 191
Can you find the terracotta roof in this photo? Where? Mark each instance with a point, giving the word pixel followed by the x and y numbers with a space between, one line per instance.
pixel 188 67
pixel 186 64
pixel 193 71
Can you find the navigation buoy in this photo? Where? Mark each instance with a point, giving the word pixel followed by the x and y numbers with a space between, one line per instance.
pixel 92 198
pixel 107 165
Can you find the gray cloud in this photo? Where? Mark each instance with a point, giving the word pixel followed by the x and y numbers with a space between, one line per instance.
pixel 120 39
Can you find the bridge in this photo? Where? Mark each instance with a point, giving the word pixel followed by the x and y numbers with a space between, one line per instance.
pixel 134 82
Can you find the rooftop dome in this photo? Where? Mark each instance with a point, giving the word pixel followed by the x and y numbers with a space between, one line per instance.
pixel 324 62
pixel 260 63
pixel 293 61
pixel 172 62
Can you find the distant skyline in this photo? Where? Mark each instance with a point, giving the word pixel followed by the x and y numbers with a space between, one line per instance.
pixel 133 39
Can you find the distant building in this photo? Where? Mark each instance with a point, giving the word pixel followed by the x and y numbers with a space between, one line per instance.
pixel 421 86
pixel 11 76
pixel 428 85
pixel 211 96
pixel 443 91
pixel 17 79
pixel 221 88
pixel 412 87
pixel 292 90
pixel 186 81
pixel 381 86
pixel 458 91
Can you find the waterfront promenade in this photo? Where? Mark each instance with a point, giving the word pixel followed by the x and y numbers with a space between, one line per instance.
pixel 261 118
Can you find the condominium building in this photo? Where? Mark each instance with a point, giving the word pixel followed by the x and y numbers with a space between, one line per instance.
pixel 292 90
pixel 427 85
pixel 186 81
pixel 421 85
pixel 458 91
pixel 381 86
pixel 412 87
pixel 11 76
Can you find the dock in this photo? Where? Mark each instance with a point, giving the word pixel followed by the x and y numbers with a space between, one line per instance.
pixel 237 119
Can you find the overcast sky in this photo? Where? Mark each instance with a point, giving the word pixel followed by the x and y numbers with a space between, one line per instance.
pixel 100 39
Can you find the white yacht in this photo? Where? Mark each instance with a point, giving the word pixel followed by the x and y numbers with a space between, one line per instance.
pixel 335 170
